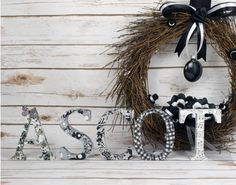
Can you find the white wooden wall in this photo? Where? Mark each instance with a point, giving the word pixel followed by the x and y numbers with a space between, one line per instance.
pixel 53 57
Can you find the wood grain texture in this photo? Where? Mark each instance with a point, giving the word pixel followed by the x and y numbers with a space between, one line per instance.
pixel 121 173
pixel 152 165
pixel 68 30
pixel 51 115
pixel 121 170
pixel 88 57
pixel 63 30
pixel 78 7
pixel 119 181
pixel 90 87
pixel 34 153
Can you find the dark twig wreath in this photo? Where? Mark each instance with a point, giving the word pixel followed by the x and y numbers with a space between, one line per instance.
pixel 147 36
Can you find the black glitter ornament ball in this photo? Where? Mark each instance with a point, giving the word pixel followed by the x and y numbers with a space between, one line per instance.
pixel 193 70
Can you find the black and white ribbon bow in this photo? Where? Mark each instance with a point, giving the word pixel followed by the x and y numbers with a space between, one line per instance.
pixel 199 18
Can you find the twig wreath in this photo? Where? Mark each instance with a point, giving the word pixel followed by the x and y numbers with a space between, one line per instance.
pixel 148 35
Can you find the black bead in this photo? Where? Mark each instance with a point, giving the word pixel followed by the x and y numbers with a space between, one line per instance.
pixel 152 98
pixel 171 22
pixel 232 54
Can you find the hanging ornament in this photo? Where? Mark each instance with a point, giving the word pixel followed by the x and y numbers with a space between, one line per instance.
pixel 193 70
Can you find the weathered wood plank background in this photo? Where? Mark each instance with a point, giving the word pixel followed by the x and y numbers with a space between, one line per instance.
pixel 53 57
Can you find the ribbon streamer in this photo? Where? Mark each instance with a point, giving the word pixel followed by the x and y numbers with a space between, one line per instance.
pixel 200 16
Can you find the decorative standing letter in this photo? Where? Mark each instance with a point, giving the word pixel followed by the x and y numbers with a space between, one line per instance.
pixel 33 117
pixel 104 151
pixel 169 136
pixel 200 117
pixel 67 128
